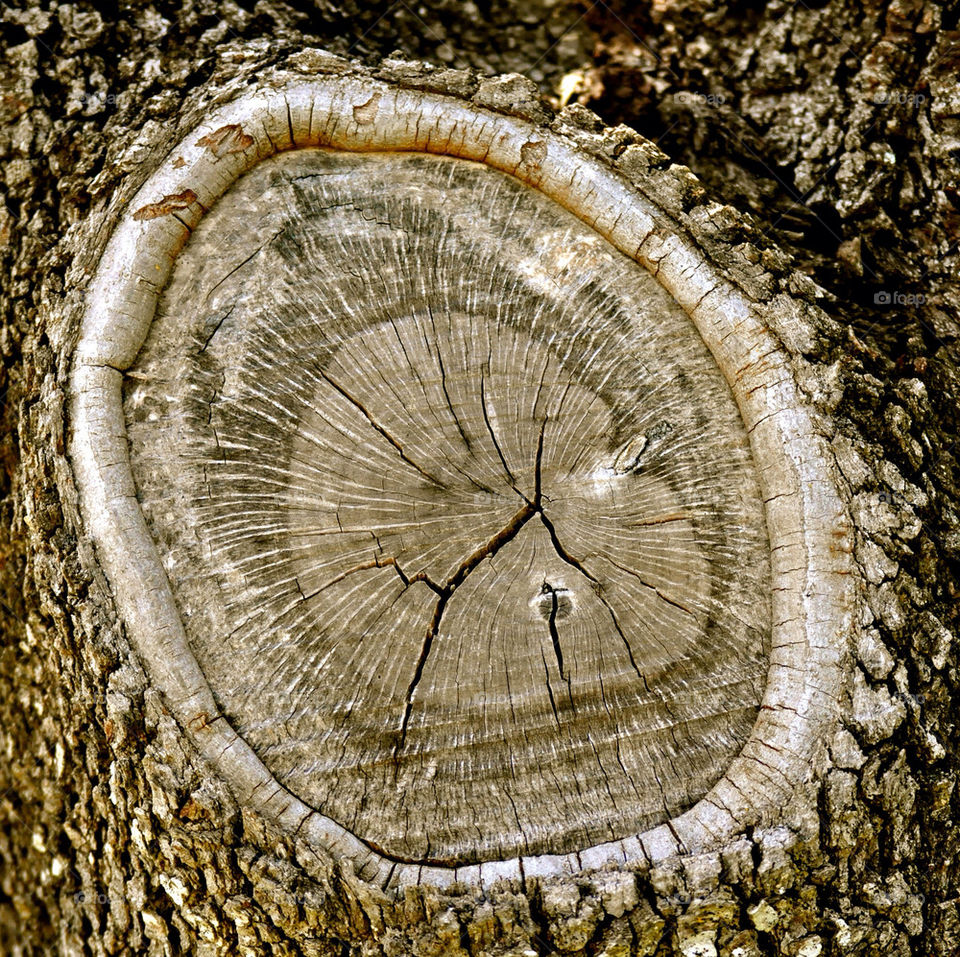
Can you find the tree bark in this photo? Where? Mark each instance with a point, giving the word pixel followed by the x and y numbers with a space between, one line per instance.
pixel 119 837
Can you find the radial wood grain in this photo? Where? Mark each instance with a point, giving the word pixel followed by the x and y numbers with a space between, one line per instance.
pixel 458 510
pixel 813 583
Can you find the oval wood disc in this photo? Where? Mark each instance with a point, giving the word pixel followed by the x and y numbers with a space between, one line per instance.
pixel 459 513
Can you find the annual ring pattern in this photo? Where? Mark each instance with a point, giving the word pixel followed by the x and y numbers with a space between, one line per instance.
pixel 806 524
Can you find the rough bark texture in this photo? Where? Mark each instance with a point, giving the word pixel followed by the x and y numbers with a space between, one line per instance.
pixel 117 839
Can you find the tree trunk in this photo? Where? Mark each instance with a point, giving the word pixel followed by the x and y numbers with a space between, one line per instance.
pixel 667 664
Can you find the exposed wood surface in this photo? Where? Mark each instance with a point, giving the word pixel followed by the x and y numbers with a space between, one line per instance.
pixel 812 593
pixel 458 509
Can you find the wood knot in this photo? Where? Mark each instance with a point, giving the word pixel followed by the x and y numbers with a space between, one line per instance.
pixel 553 601
pixel 403 511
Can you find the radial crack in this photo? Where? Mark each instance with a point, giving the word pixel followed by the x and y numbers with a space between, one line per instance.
pixel 653 588
pixel 553 702
pixel 659 520
pixel 508 533
pixel 562 552
pixel 570 560
pixel 242 263
pixel 443 383
pixel 548 589
pixel 379 428
pixel 493 436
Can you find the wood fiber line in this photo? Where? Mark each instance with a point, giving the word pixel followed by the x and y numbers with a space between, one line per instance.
pixel 486 543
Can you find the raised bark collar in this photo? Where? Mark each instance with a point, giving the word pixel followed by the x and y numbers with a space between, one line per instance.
pixel 469 519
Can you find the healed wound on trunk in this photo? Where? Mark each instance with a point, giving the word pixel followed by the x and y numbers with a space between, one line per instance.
pixel 429 399
pixel 476 509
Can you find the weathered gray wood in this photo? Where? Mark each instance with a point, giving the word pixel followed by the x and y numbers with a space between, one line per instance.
pixel 458 508
pixel 811 583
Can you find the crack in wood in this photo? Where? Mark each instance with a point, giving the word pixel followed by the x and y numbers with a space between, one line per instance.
pixel 493 434
pixel 371 403
pixel 380 430
pixel 506 534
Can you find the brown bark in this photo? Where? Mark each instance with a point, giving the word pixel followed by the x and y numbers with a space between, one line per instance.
pixel 115 838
